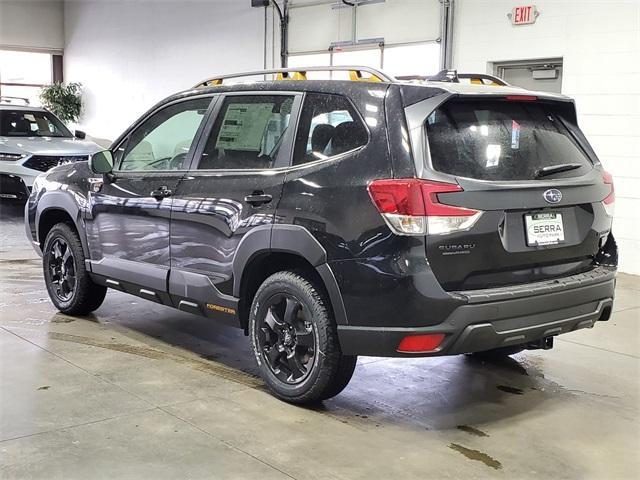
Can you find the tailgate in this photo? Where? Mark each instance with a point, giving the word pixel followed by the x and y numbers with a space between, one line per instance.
pixel 541 192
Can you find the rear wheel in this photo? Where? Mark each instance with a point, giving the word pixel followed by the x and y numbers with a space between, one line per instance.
pixel 295 341
pixel 70 288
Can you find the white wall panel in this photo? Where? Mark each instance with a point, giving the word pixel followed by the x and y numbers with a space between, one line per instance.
pixel 600 45
pixel 131 54
pixel 32 24
pixel 617 125
pixel 400 21
pixel 314 27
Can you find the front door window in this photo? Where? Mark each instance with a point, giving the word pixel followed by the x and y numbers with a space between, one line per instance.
pixel 163 141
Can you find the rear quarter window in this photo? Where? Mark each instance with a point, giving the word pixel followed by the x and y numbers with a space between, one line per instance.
pixel 502 140
pixel 329 126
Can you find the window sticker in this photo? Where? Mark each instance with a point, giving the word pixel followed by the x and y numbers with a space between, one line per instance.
pixel 243 126
pixel 515 135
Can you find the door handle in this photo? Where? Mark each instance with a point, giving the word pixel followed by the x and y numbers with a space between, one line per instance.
pixel 258 198
pixel 161 193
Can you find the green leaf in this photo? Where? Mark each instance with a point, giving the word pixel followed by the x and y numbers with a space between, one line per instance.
pixel 64 101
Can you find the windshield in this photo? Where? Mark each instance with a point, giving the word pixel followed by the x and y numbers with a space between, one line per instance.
pixel 502 140
pixel 24 123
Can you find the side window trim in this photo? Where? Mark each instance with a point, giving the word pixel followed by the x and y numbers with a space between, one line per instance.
pixel 124 140
pixel 283 160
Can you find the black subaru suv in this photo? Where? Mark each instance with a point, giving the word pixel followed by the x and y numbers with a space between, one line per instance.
pixel 336 218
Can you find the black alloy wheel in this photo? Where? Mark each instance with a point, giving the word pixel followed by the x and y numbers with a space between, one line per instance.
pixel 62 270
pixel 287 340
pixel 295 339
pixel 68 282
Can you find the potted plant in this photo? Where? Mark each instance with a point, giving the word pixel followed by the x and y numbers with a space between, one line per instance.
pixel 65 101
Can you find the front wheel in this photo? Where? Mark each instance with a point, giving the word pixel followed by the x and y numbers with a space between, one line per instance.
pixel 70 288
pixel 295 341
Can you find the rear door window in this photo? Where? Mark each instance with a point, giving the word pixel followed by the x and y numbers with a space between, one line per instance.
pixel 502 140
pixel 248 132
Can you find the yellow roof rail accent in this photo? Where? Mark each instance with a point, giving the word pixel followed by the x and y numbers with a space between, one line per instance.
pixel 356 76
pixel 212 82
pixel 480 81
pixel 301 75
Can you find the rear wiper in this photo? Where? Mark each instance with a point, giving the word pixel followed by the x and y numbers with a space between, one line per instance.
pixel 551 169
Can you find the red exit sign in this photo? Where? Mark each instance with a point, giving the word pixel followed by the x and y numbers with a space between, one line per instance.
pixel 524 15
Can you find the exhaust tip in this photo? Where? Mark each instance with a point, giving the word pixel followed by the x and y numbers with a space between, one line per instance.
pixel 606 314
pixel 545 343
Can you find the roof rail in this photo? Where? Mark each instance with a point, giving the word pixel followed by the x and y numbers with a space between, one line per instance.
pixel 7 99
pixel 300 73
pixel 453 76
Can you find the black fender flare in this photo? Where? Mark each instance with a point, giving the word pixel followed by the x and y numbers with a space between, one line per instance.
pixel 293 239
pixel 59 200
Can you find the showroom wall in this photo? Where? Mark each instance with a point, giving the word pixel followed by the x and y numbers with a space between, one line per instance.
pixel 32 24
pixel 600 47
pixel 130 54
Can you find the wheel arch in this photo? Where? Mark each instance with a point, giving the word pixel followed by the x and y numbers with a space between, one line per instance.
pixel 58 207
pixel 271 248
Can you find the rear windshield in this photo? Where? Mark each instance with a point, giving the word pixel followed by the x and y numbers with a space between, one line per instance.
pixel 502 140
pixel 23 123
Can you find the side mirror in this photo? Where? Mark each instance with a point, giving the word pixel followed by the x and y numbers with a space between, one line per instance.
pixel 101 162
pixel 79 134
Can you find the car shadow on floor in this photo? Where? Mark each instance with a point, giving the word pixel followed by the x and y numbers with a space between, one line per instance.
pixel 438 393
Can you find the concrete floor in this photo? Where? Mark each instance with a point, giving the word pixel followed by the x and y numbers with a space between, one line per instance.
pixel 144 391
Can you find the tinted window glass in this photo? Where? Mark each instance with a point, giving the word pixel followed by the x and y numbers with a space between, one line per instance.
pixel 20 123
pixel 248 132
pixel 163 141
pixel 329 126
pixel 501 140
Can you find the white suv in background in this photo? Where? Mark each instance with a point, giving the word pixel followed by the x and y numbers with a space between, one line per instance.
pixel 32 141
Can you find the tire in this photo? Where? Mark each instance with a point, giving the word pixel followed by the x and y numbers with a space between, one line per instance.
pixel 295 371
pixel 498 353
pixel 77 296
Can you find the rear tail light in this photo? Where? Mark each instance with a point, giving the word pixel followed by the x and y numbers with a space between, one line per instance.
pixel 609 203
pixel 411 206
pixel 421 343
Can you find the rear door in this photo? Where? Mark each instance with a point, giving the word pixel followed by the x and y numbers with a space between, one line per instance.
pixel 233 186
pixel 531 186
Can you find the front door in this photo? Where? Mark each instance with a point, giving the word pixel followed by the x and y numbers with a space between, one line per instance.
pixel 129 221
pixel 233 187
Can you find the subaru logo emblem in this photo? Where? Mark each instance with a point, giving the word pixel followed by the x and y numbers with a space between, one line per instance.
pixel 553 195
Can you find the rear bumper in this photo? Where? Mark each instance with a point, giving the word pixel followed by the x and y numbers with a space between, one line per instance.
pixel 500 317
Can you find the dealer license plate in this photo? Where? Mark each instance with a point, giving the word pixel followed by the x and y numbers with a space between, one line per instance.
pixel 544 228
